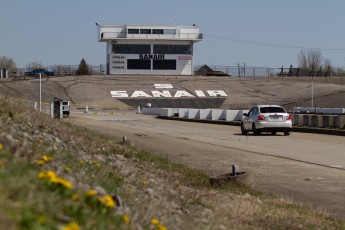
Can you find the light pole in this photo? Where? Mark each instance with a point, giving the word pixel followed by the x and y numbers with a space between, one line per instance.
pixel 40 91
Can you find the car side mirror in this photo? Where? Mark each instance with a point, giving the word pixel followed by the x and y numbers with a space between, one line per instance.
pixel 245 114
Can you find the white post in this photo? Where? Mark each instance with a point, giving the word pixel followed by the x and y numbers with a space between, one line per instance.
pixel 35 106
pixel 312 94
pixel 139 109
pixel 87 109
pixel 40 92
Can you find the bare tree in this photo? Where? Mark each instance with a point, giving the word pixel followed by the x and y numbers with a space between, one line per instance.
pixel 7 63
pixel 314 60
pixel 302 59
pixel 34 65
pixel 310 60
pixel 328 67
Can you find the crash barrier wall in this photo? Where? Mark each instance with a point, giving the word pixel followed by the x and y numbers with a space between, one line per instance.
pixel 203 114
pixel 299 120
pixel 319 121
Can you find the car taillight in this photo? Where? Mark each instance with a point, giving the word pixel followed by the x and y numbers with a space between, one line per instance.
pixel 289 117
pixel 261 118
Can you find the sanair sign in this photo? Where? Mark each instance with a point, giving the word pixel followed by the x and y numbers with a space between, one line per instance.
pixel 167 94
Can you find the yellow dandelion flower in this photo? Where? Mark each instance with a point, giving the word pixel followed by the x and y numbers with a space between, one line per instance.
pixel 45 158
pixel 75 197
pixel 65 183
pixel 41 219
pixel 40 162
pixel 155 221
pixel 54 180
pixel 1 147
pixel 50 174
pixel 91 192
pixel 81 162
pixel 71 226
pixel 125 219
pixel 161 227
pixel 107 201
pixel 41 175
pixel 67 169
pixel 144 182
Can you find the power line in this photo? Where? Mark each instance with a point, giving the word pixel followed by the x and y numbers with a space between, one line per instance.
pixel 270 44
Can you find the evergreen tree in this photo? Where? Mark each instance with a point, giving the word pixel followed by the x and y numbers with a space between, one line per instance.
pixel 83 68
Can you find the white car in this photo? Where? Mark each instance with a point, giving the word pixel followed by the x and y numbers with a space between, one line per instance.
pixel 266 118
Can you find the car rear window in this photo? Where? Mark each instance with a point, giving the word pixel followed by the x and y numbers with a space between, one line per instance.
pixel 272 110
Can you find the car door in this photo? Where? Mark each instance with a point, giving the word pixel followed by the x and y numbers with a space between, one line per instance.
pixel 246 120
pixel 251 118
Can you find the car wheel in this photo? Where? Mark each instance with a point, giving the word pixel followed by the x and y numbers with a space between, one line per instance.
pixel 274 132
pixel 255 131
pixel 243 131
pixel 286 133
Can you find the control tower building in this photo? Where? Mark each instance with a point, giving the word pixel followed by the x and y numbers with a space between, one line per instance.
pixel 149 49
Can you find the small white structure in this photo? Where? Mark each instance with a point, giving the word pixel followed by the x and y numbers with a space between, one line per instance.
pixel 149 49
pixel 3 73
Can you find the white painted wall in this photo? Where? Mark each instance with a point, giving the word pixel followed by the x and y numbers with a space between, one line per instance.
pixel 206 114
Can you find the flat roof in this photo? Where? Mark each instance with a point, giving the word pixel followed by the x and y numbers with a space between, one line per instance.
pixel 162 32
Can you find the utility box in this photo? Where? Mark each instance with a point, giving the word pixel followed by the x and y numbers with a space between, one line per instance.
pixel 59 108
pixel 4 73
pixel 65 108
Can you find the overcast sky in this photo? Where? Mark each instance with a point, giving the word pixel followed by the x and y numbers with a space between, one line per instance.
pixel 265 33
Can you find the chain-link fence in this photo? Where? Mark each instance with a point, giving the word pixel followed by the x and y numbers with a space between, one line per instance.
pixel 250 71
pixel 60 70
pixel 201 70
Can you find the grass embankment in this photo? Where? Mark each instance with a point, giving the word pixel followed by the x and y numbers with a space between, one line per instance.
pixel 55 175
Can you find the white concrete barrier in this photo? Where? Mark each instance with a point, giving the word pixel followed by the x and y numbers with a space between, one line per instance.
pixel 319 121
pixel 211 114
pixel 183 113
pixel 307 120
pixel 205 114
pixel 218 114
pixel 194 114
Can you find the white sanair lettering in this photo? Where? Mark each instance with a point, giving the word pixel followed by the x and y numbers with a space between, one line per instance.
pixel 182 93
pixel 163 86
pixel 167 93
pixel 216 93
pixel 199 93
pixel 119 93
pixel 164 93
pixel 140 94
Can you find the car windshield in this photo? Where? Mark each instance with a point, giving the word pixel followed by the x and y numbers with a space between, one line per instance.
pixel 272 110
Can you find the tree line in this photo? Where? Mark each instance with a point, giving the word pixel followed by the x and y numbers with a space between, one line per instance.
pixel 310 62
pixel 10 65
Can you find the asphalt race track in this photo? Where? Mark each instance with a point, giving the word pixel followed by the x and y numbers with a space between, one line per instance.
pixel 309 168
